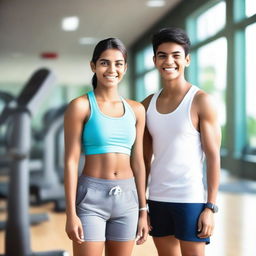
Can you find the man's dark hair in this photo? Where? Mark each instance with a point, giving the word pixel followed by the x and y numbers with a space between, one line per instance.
pixel 172 35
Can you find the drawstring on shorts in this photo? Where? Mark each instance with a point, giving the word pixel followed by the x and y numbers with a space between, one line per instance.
pixel 115 191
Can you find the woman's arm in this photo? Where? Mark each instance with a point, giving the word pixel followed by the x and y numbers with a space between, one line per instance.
pixel 138 168
pixel 74 119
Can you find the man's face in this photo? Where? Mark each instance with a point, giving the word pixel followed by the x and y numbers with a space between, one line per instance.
pixel 170 60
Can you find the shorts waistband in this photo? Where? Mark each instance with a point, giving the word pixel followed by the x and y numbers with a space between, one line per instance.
pixel 104 184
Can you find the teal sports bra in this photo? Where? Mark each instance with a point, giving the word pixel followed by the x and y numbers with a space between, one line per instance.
pixel 105 134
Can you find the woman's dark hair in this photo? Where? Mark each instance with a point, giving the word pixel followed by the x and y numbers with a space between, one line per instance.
pixel 173 35
pixel 103 45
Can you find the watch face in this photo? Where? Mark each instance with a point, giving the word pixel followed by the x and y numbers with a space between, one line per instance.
pixel 213 207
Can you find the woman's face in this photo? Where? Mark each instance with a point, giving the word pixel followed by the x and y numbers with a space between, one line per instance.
pixel 109 68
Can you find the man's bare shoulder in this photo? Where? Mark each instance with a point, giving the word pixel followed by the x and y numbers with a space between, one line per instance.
pixel 205 102
pixel 146 101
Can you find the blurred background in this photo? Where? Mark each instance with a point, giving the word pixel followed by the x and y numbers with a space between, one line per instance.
pixel 60 36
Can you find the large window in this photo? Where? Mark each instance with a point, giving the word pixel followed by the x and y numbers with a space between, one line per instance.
pixel 250 7
pixel 212 62
pixel 146 77
pixel 216 31
pixel 207 23
pixel 250 37
pixel 209 59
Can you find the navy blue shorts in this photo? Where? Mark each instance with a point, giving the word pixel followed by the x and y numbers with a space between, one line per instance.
pixel 176 219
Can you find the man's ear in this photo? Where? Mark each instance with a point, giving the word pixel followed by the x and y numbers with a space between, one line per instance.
pixel 93 67
pixel 154 59
pixel 188 58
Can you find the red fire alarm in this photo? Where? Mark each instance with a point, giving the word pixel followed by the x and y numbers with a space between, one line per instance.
pixel 49 55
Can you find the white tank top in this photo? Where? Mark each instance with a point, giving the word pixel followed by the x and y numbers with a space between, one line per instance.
pixel 177 169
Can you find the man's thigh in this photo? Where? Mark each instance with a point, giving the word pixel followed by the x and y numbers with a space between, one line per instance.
pixel 167 246
pixel 192 248
pixel 171 246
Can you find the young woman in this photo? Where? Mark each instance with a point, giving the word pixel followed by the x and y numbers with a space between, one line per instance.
pixel 106 205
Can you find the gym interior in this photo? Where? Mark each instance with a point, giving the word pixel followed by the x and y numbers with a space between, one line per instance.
pixel 45 50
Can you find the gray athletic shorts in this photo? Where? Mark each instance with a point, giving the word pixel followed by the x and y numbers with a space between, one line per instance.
pixel 108 209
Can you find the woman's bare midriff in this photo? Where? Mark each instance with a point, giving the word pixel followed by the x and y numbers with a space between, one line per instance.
pixel 109 166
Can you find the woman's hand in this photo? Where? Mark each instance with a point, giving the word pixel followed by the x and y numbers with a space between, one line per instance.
pixel 74 229
pixel 142 231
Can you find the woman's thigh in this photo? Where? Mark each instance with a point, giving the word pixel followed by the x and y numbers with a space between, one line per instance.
pixel 88 248
pixel 117 248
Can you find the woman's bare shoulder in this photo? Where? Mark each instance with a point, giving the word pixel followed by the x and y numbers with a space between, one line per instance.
pixel 78 107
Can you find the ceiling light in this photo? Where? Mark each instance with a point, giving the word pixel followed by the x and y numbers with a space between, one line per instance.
pixel 155 3
pixel 70 23
pixel 88 40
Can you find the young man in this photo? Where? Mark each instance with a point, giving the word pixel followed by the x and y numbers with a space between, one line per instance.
pixel 182 128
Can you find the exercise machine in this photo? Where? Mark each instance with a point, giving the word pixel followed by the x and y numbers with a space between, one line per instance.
pixel 46 185
pixel 18 114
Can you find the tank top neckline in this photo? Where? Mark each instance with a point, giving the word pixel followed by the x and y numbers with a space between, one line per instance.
pixel 179 105
pixel 103 114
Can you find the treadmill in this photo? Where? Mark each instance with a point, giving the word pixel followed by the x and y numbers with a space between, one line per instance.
pixel 18 114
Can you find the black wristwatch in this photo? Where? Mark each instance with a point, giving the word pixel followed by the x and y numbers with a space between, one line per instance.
pixel 213 207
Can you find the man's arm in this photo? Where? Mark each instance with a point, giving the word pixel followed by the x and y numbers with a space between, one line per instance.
pixel 211 140
pixel 147 142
